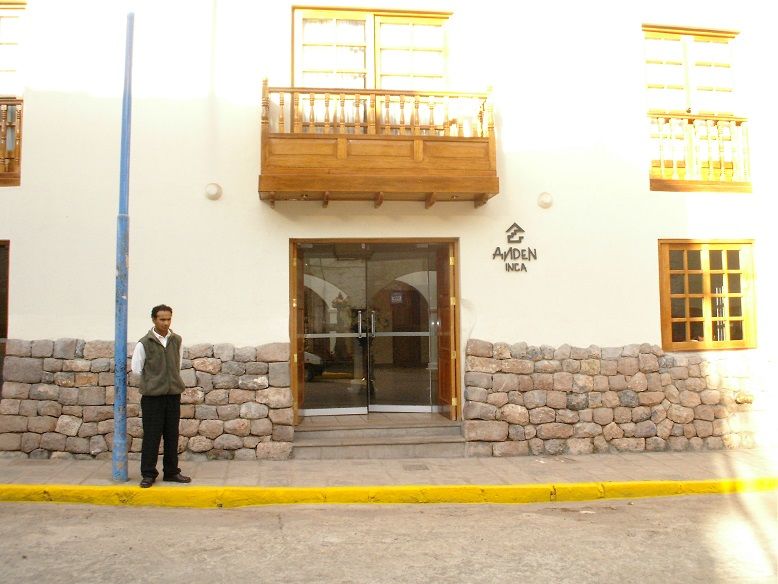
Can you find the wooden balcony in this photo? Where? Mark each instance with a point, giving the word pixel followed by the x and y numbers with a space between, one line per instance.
pixel 376 145
pixel 10 141
pixel 699 153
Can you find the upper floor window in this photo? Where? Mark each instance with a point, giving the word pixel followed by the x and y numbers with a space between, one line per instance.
pixel 707 294
pixel 10 93
pixel 360 50
pixel 699 138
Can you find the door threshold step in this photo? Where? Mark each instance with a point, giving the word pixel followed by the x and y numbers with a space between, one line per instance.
pixel 378 432
pixel 373 440
pixel 431 447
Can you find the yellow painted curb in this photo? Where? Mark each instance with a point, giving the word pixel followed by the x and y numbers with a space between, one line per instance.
pixel 214 497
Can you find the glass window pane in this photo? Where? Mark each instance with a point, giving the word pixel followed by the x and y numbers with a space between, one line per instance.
pixel 676 284
pixel 678 308
pixel 317 30
pixel 735 307
pixel 350 58
pixel 393 61
pixel 679 332
pixel 733 259
pixel 351 81
pixel 318 58
pixel 696 331
pixel 695 283
pixel 734 283
pixel 695 307
pixel 427 36
pixel 717 307
pixel 693 259
pixel 676 259
pixel 736 330
pixel 715 259
pixel 716 283
pixel 427 62
pixel 351 32
pixel 396 35
pixel 719 330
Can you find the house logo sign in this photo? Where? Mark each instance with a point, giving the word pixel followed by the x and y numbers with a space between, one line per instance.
pixel 514 257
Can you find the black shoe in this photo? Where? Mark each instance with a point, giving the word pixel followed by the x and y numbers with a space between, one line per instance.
pixel 177 478
pixel 146 482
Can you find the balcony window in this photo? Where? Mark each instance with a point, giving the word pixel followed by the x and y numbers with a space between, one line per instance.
pixel 11 105
pixel 706 294
pixel 699 138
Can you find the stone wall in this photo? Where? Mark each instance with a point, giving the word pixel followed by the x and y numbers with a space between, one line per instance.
pixel 522 399
pixel 57 401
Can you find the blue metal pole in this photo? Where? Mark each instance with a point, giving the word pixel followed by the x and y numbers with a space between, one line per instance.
pixel 122 260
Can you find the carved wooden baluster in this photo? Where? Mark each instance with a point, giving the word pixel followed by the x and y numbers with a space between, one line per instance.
pixel 696 133
pixel 490 119
pixel 737 151
pixel 446 117
pixel 18 134
pixel 387 119
pixel 431 103
pixel 296 117
pixel 342 114
pixel 415 116
pixel 371 115
pixel 744 146
pixel 3 134
pixel 722 163
pixel 311 112
pixel 402 115
pixel 481 114
pixel 281 118
pixel 358 119
pixel 327 113
pixel 660 127
pixel 688 148
pixel 265 106
pixel 709 125
pixel 460 118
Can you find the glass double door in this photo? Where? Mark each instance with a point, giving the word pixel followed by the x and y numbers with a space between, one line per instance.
pixel 370 330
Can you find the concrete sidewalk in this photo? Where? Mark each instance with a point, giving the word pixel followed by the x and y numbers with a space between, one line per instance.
pixel 521 479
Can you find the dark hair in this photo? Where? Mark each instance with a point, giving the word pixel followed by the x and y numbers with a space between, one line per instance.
pixel 160 308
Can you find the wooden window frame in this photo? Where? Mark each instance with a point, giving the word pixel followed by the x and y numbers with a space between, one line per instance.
pixel 746 294
pixel 373 20
pixel 11 126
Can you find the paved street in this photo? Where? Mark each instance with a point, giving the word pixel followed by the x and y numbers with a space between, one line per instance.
pixel 717 538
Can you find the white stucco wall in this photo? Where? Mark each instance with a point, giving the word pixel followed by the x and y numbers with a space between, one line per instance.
pixel 570 113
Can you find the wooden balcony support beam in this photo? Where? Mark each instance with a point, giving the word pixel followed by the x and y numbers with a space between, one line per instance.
pixel 325 199
pixel 480 200
pixel 379 200
pixel 430 200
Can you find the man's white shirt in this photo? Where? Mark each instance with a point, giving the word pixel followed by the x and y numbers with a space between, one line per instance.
pixel 139 354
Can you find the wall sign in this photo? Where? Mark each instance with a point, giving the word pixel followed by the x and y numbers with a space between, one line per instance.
pixel 515 257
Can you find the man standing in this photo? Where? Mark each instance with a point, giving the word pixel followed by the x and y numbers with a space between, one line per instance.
pixel 157 359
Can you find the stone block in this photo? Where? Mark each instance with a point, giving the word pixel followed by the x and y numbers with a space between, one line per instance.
pixel 629 444
pixel 68 425
pixel 479 348
pixel 233 368
pixel 610 399
pixel 76 366
pixel 14 390
pixel 199 351
pixel 582 383
pixel 82 379
pixel 628 398
pixel 571 366
pixel 18 348
pixel 217 397
pixel 203 412
pixel 690 399
pixel 478 394
pixel 240 396
pixel 13 424
pixel 547 366
pixel 23 369
pixel 274 450
pixel 612 431
pixel 517 366
pixel 245 454
pixel 245 354
pixel 544 381
pixel 65 348
pixel 204 380
pixel 542 415
pixel 601 383
pixel 586 430
pixel 189 377
pixel 567 416
pixel 238 427
pixel 224 351
pixel 188 428
pixel 98 350
pixel 284 417
pixel 42 348
pixel 554 430
pixel 714 443
pixel 97 444
pixel 210 428
pixel 91 396
pixel 516 432
pixel 651 398
pixel 28 407
pixel 87 430
pixel 680 414
pixel 9 407
pixel 602 416
pixel 563 381
pixel 10 441
pixel 498 399
pixel 482 364
pixel 678 443
pixel 200 444
pixel 555 446
pixel 261 427
pixel 505 382
pixel 254 410
pixel 278 375
pixel 273 352
pixel 207 365
pixel 41 424
pixel 645 429
pixel 577 401
pixel 536 446
pixel 228 412
pixel 485 431
pixel 274 397
pixel 710 397
pixel 590 367
pixel 562 352
pixel 225 381
pixel 478 379
pixel 655 444
pixel 556 399
pixel 514 414
pixel 511 448
pixel 479 411
pixel 609 367
pixel 519 350
pixel 638 382
pixel 703 428
pixel 577 446
pixel 283 433
pixel 628 365
pixel 648 362
pixel 257 368
pixel 53 441
pixel 97 413
pixel 641 414
pixel 703 412
pixel 501 351
pixel 535 398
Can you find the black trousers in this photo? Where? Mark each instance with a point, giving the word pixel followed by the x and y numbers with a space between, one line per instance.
pixel 160 421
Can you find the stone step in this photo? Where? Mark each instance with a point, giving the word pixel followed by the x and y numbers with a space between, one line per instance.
pixel 386 432
pixel 430 446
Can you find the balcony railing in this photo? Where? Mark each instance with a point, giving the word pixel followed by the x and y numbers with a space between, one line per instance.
pixel 699 153
pixel 10 141
pixel 371 144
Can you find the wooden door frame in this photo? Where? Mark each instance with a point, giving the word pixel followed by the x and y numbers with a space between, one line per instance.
pixel 296 304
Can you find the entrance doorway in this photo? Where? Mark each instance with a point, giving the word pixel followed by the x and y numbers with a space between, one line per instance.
pixel 374 327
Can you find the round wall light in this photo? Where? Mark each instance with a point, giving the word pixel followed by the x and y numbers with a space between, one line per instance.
pixel 213 191
pixel 545 200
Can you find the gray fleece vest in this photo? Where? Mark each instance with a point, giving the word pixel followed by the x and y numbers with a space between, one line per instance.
pixel 161 371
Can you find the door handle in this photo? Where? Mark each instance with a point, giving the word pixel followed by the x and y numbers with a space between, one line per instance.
pixel 359 324
pixel 372 322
